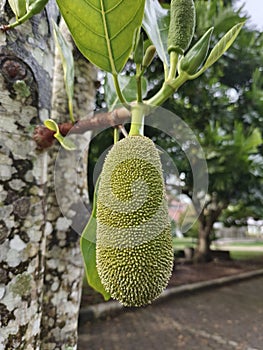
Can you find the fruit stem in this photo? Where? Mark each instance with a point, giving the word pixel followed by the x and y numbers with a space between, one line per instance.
pixel 137 120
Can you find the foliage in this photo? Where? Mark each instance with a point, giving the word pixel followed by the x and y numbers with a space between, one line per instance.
pixel 224 107
pixel 103 32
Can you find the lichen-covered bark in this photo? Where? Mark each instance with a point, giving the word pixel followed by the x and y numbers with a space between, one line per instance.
pixel 25 85
pixel 63 261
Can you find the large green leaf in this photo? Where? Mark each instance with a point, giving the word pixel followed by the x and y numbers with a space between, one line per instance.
pixel 103 30
pixel 156 24
pixel 88 249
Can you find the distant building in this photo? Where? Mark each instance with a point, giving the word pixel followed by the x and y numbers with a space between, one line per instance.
pixel 255 227
pixel 176 209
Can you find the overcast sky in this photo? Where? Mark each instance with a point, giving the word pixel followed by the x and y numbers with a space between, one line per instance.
pixel 255 10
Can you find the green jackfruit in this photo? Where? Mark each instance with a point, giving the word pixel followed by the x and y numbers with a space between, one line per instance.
pixel 182 25
pixel 134 243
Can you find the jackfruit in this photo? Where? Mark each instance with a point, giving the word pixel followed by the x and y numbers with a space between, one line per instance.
pixel 134 244
pixel 182 25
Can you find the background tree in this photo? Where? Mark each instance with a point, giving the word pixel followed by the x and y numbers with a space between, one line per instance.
pixel 223 108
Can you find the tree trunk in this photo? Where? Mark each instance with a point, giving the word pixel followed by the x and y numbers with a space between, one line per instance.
pixel 25 84
pixel 207 218
pixel 202 251
pixel 66 215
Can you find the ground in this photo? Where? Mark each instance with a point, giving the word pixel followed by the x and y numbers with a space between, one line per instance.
pixel 224 318
pixel 184 273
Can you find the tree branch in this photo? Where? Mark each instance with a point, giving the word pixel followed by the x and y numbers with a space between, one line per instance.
pixel 45 137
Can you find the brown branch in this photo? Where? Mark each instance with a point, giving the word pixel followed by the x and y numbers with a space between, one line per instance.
pixel 45 137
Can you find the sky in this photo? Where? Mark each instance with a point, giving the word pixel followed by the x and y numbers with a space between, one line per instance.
pixel 255 10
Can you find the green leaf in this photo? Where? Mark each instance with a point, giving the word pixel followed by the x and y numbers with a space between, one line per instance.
pixel 18 7
pixel 51 125
pixel 88 249
pixel 156 24
pixel 64 141
pixel 103 30
pixel 223 45
pixel 197 54
pixel 253 141
pixel 128 87
pixel 68 66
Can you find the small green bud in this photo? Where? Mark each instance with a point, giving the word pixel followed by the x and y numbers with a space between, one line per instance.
pixel 196 55
pixel 149 55
pixel 182 25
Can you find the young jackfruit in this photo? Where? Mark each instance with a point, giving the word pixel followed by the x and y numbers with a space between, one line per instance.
pixel 182 25
pixel 134 243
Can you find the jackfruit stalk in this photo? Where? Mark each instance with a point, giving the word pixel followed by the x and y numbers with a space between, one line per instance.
pixel 134 244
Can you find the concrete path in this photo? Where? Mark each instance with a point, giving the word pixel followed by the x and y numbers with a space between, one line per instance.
pixel 238 248
pixel 225 318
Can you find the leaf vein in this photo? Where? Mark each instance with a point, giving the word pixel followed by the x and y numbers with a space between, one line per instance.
pixel 123 53
pixel 114 7
pixel 127 24
pixel 92 6
pixel 108 41
pixel 88 48
pixel 87 26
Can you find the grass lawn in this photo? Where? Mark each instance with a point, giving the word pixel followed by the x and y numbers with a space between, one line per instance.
pixel 181 243
pixel 245 255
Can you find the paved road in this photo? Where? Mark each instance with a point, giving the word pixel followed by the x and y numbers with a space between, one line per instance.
pixel 238 248
pixel 226 318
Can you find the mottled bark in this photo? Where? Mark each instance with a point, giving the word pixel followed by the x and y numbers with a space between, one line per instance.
pixel 66 214
pixel 25 84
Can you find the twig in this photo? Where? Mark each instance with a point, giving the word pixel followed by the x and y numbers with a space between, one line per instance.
pixel 44 137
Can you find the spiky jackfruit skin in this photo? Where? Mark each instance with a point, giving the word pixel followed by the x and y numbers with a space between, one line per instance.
pixel 134 243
